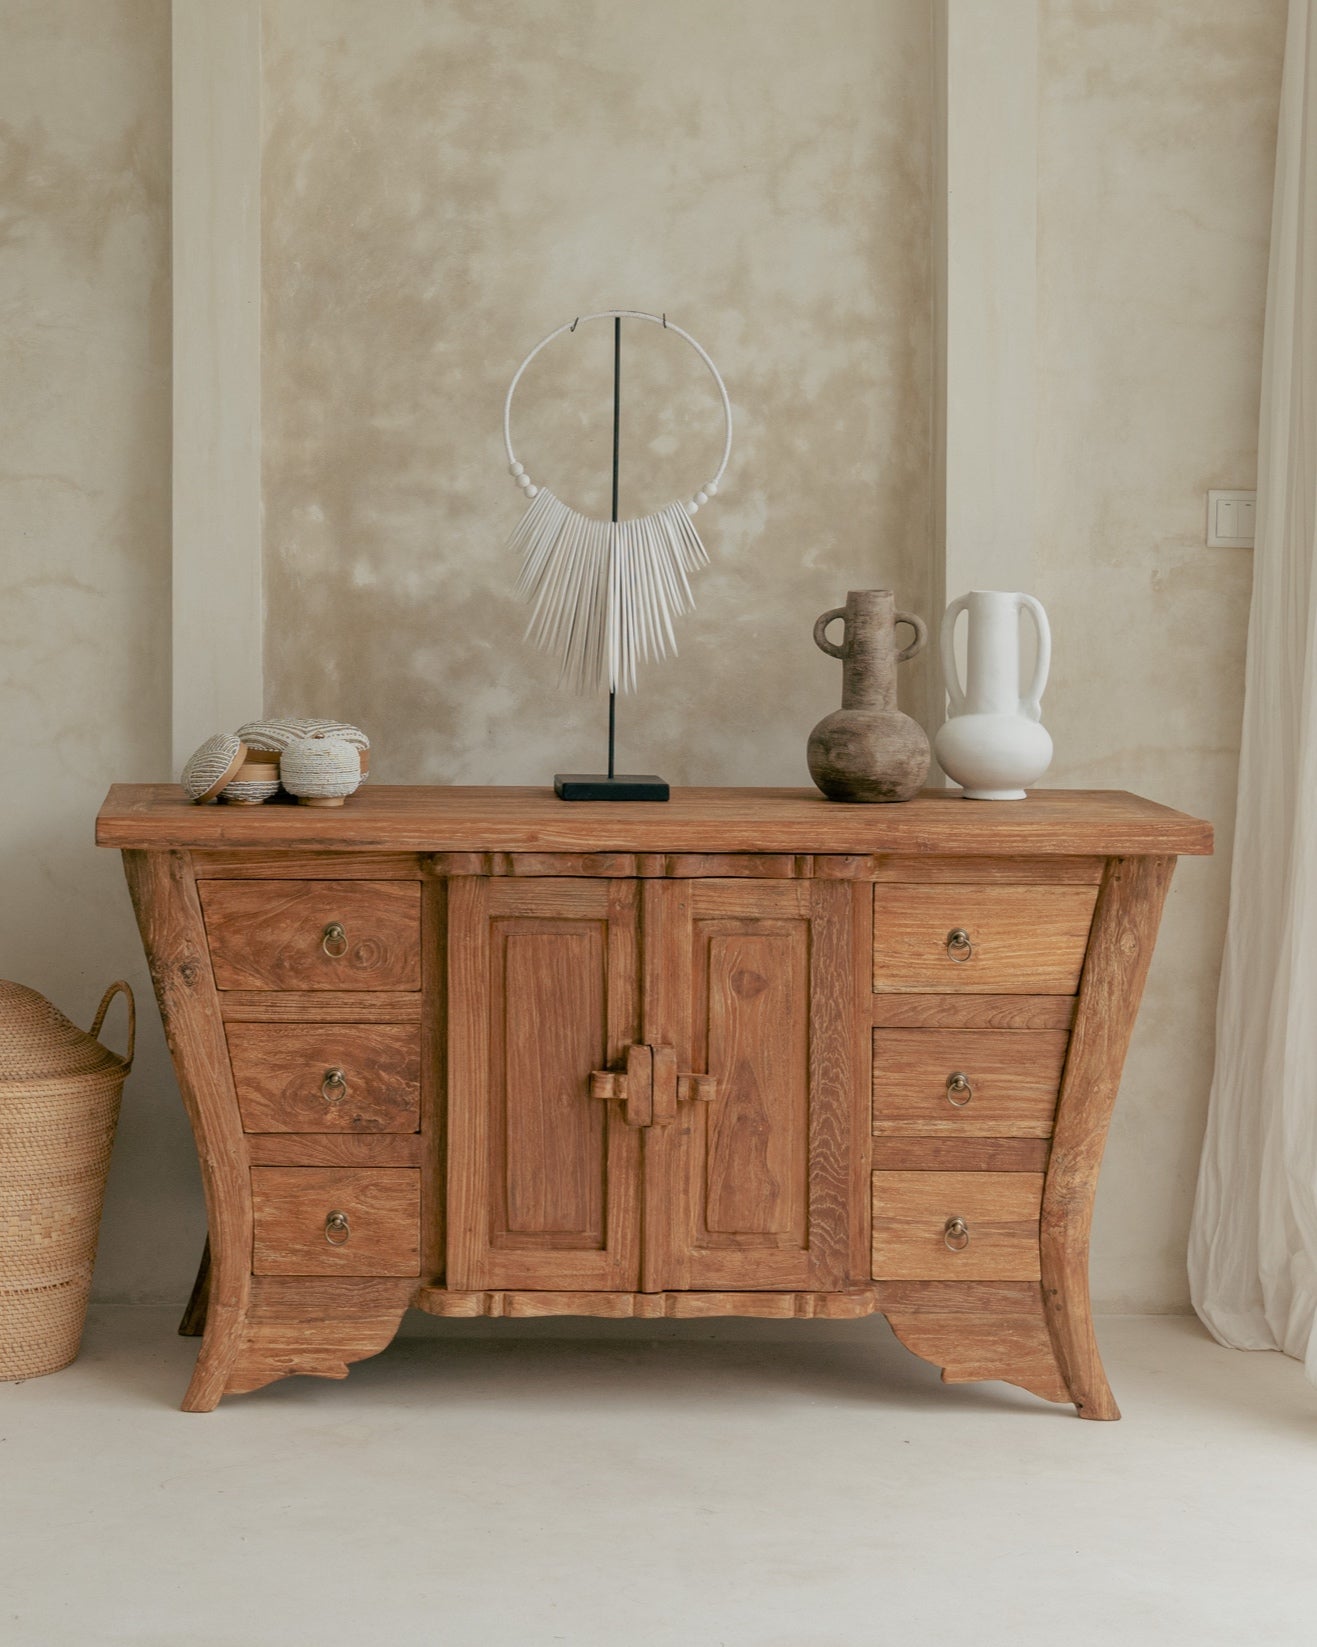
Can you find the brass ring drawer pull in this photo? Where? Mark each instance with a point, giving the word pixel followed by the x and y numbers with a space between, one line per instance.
pixel 959 947
pixel 337 1229
pixel 956 1235
pixel 334 1087
pixel 959 1090
pixel 334 941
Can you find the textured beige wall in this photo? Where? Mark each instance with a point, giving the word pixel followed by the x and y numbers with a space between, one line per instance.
pixel 84 573
pixel 445 183
pixel 1156 148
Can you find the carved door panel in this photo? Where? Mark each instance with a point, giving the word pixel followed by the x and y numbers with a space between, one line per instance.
pixel 757 1181
pixel 543 1178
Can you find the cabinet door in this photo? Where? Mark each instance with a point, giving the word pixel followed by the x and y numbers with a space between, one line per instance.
pixel 760 984
pixel 543 1179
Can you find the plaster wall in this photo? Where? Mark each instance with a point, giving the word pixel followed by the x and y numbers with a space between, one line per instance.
pixel 447 182
pixel 444 187
pixel 448 196
pixel 1157 132
pixel 84 558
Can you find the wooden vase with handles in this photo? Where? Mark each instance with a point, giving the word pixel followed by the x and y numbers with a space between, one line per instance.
pixel 868 750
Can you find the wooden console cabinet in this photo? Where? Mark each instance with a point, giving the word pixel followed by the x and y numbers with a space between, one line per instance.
pixel 481 1052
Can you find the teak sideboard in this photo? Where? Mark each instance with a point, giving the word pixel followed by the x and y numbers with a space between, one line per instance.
pixel 749 1052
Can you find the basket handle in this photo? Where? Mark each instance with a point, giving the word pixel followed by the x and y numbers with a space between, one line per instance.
pixel 116 988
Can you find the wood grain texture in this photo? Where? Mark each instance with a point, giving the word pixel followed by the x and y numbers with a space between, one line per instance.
pixel 859 1198
pixel 1024 940
pixel 1012 1078
pixel 958 1297
pixel 651 1306
pixel 665 1083
pixel 773 900
pixel 434 1079
pixel 290 1207
pixel 562 899
pixel 314 1326
pixel 911 1211
pixel 392 818
pixel 970 1348
pixel 758 866
pixel 538 866
pixel 335 1149
pixel 325 865
pixel 284 1077
pixel 982 871
pixel 173 933
pixel 309 1006
pixel 666 1011
pixel 469 1056
pixel 271 934
pixel 543 1179
pixel 976 1330
pixel 914 1154
pixel 638 1110
pixel 973 1011
pixel 550 1004
pixel 1124 932
pixel 753 983
pixel 753 1029
pixel 732 936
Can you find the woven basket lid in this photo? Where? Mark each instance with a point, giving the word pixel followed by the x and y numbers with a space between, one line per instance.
pixel 38 1043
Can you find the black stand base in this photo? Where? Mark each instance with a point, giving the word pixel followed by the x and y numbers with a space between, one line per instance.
pixel 626 786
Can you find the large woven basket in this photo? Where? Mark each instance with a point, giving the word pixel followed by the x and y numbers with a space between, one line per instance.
pixel 59 1105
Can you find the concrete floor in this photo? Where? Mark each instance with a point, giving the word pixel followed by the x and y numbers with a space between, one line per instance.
pixel 810 1487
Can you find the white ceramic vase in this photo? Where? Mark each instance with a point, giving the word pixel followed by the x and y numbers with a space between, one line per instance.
pixel 994 744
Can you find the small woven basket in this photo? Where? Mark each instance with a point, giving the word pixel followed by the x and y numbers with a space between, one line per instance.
pixel 59 1106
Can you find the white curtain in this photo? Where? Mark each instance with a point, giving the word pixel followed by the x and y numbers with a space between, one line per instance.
pixel 1253 1251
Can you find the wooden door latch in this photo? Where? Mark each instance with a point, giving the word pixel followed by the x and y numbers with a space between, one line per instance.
pixel 650 1087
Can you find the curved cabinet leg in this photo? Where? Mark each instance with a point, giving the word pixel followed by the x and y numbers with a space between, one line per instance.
pixel 1120 949
pixel 193 1323
pixel 976 1330
pixel 297 1324
pixel 164 895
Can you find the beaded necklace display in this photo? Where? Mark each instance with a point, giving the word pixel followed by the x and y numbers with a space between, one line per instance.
pixel 604 593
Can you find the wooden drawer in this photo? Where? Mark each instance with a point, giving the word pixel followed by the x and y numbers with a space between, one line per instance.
pixel 285 934
pixel 1009 1087
pixel 327 1077
pixel 1022 940
pixel 293 1207
pixel 911 1212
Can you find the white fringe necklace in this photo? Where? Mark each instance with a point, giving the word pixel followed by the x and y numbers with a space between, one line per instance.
pixel 603 594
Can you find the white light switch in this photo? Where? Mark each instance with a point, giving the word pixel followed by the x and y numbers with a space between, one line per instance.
pixel 1230 518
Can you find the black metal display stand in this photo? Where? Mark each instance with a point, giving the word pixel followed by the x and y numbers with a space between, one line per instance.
pixel 612 785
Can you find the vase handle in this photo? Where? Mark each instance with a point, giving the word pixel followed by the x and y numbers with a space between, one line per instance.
pixel 917 645
pixel 821 635
pixel 1032 702
pixel 955 692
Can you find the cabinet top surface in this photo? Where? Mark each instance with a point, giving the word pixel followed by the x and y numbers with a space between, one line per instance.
pixel 437 818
